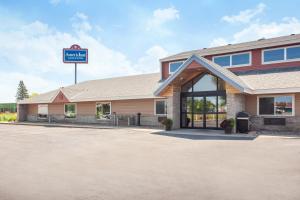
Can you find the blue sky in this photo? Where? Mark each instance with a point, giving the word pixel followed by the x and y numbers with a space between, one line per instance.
pixel 123 37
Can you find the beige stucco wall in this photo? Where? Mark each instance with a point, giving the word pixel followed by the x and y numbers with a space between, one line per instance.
pixel 56 109
pixel 86 108
pixel 144 106
pixel 32 109
pixel 251 103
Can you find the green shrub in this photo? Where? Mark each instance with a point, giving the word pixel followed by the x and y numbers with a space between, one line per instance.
pixel 168 124
pixel 8 117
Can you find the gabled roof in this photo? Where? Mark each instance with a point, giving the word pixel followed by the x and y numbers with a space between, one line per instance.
pixel 120 88
pixel 216 69
pixel 262 43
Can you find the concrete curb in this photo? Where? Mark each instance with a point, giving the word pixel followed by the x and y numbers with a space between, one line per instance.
pixel 60 125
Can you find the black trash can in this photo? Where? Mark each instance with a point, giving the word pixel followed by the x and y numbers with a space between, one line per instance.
pixel 242 122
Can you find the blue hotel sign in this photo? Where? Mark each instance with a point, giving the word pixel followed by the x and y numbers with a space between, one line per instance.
pixel 75 54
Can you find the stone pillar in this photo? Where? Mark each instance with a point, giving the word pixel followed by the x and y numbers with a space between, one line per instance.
pixel 21 112
pixel 173 110
pixel 235 103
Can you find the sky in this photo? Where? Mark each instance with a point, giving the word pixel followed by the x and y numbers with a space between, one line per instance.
pixel 123 37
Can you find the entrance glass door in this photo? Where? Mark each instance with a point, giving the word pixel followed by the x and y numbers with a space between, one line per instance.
pixel 203 102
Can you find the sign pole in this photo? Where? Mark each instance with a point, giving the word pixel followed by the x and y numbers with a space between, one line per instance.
pixel 75 54
pixel 75 73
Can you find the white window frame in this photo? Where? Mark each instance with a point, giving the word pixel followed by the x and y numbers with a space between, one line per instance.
pixel 166 107
pixel 230 59
pixel 103 102
pixel 47 111
pixel 274 96
pixel 279 61
pixel 173 63
pixel 75 110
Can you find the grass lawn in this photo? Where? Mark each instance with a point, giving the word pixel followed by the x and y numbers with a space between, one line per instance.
pixel 8 117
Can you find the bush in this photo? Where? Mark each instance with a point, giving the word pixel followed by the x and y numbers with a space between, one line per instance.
pixel 168 124
pixel 228 125
pixel 8 117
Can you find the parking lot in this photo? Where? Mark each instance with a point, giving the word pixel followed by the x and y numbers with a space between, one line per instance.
pixel 38 163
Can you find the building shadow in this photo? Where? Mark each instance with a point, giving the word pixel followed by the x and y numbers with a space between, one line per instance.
pixel 206 136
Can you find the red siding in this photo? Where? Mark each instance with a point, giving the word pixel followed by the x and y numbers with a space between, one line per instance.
pixel 60 98
pixel 256 63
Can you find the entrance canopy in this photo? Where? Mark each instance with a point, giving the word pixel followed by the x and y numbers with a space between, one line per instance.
pixel 198 65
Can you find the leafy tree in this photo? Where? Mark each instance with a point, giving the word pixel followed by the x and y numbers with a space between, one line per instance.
pixel 33 94
pixel 22 91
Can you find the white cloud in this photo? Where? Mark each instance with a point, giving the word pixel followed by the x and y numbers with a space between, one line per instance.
pixel 245 16
pixel 266 30
pixel 55 2
pixel 9 82
pixel 150 62
pixel 258 30
pixel 161 17
pixel 33 52
pixel 218 42
pixel 80 22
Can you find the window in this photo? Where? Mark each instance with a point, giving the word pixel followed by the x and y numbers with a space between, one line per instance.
pixel 42 111
pixel 239 59
pixel 173 66
pixel 281 54
pixel 273 55
pixel 160 107
pixel 70 110
pixel 103 110
pixel 293 53
pixel 223 61
pixel 276 105
pixel 204 83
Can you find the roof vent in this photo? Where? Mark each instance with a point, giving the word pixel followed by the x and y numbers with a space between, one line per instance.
pixel 261 39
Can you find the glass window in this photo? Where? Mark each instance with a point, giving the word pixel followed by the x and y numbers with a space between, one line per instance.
pixel 205 83
pixel 221 84
pixel 293 53
pixel 279 105
pixel 223 61
pixel 186 120
pixel 221 104
pixel 198 104
pixel 103 110
pixel 266 106
pixel 173 66
pixel 284 105
pixel 221 118
pixel 70 110
pixel 43 111
pixel 211 120
pixel 211 104
pixel 240 59
pixel 198 120
pixel 160 107
pixel 273 55
pixel 186 104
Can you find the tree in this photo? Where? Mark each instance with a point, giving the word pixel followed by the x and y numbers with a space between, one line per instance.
pixel 22 91
pixel 33 94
